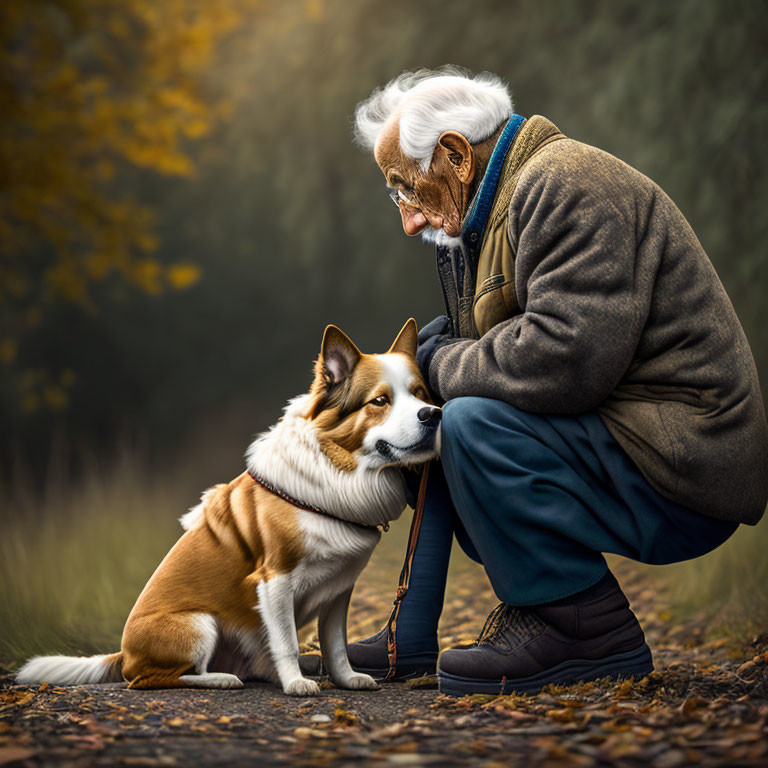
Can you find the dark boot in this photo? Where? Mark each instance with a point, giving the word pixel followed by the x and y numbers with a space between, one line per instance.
pixel 586 636
pixel 370 656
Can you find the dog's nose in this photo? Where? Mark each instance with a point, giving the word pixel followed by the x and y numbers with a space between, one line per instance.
pixel 429 417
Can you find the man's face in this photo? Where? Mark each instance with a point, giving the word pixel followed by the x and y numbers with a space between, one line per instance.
pixel 439 196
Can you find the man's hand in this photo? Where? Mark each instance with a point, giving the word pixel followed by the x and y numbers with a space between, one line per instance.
pixel 431 337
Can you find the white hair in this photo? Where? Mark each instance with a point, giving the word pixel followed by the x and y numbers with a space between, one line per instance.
pixel 429 102
pixel 440 237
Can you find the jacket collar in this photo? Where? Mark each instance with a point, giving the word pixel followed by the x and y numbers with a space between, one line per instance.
pixel 477 217
pixel 519 140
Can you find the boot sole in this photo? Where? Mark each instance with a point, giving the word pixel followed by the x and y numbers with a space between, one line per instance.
pixel 637 663
pixel 312 665
pixel 403 672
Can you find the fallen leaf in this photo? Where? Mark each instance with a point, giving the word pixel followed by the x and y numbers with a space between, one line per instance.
pixel 14 754
pixel 388 732
pixel 564 715
pixel 482 698
pixel 15 699
pixel 691 704
pixel 343 717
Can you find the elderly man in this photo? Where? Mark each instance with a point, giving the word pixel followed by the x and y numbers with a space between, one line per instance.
pixel 600 394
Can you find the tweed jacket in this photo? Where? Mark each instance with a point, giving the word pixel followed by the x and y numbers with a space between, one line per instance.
pixel 579 285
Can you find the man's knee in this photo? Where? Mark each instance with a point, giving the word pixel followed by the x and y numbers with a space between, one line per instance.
pixel 464 418
pixel 468 419
pixel 461 418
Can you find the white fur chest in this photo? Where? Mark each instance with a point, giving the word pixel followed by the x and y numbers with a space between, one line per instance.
pixel 335 554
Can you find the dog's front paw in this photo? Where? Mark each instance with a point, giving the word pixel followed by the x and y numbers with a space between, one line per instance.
pixel 359 682
pixel 302 686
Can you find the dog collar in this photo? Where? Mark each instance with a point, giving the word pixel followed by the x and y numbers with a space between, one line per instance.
pixel 309 507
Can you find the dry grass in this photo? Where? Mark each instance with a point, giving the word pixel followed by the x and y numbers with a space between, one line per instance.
pixel 73 560
pixel 729 583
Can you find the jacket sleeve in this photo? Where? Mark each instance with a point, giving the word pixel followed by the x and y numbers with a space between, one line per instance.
pixel 574 228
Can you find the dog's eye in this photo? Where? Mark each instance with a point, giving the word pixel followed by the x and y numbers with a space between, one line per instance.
pixel 380 400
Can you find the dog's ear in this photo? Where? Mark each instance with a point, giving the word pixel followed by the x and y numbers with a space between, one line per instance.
pixel 338 356
pixel 407 340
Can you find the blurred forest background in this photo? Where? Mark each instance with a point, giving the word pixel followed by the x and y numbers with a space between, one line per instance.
pixel 182 211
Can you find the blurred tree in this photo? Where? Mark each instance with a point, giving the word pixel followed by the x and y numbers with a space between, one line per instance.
pixel 91 93
pixel 675 89
pixel 288 221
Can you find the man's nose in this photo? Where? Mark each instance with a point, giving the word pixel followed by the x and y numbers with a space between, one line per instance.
pixel 429 416
pixel 413 220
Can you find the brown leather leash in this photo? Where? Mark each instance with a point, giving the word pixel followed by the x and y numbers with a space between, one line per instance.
pixel 405 574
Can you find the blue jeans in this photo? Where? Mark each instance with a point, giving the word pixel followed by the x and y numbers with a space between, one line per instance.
pixel 537 499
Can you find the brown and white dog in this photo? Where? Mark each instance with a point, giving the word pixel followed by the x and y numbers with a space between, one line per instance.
pixel 282 543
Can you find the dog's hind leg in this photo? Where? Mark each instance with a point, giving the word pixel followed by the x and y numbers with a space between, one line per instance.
pixel 172 651
pixel 212 680
pixel 243 651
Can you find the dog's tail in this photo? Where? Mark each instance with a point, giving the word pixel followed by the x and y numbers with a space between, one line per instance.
pixel 72 670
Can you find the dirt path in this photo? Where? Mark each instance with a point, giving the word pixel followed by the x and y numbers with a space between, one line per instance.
pixel 706 704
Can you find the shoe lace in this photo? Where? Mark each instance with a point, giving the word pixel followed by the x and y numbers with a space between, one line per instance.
pixel 499 618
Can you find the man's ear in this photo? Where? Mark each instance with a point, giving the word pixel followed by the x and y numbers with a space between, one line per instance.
pixel 458 154
pixel 338 356
pixel 407 340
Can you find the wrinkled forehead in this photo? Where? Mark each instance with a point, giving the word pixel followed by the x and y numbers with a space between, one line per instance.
pixel 387 148
pixel 388 155
pixel 400 372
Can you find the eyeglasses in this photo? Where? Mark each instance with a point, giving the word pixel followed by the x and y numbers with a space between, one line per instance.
pixel 399 197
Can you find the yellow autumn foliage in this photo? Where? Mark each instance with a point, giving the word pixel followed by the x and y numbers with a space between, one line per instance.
pixel 182 275
pixel 89 90
pixel 7 351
